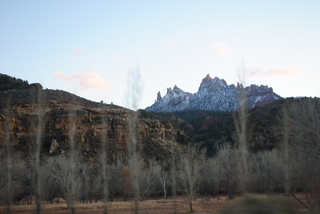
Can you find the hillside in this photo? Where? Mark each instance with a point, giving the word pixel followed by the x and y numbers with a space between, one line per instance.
pixel 156 131
pixel 214 129
pixel 22 109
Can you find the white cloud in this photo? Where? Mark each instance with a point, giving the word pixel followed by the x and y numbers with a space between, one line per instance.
pixel 284 71
pixel 61 75
pixel 92 80
pixel 222 49
pixel 87 80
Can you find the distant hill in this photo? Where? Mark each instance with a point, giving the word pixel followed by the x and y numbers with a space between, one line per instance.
pixel 213 95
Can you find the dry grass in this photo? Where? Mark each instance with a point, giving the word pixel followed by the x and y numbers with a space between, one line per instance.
pixel 212 205
pixel 148 206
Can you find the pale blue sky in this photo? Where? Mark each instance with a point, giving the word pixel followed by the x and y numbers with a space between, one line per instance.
pixel 88 47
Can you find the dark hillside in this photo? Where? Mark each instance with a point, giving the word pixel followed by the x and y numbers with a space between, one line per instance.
pixel 11 83
pixel 55 97
pixel 213 129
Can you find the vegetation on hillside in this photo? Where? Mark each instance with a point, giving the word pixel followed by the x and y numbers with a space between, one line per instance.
pixel 11 83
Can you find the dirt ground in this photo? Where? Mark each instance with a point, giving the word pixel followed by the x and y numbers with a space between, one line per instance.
pixel 209 205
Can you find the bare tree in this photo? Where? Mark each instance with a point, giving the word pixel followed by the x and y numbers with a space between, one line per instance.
pixel 115 172
pixel 163 175
pixel 303 115
pixel 211 177
pixel 174 177
pixel 104 166
pixel 38 145
pixel 227 160
pixel 285 148
pixel 51 189
pixel 16 183
pixel 74 153
pixel 126 182
pixel 86 171
pixel 241 120
pixel 191 163
pixel 242 134
pixel 147 178
pixel 68 179
pixel 267 170
pixel 8 158
pixel 133 96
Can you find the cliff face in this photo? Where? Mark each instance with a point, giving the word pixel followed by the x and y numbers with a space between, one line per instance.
pixel 26 113
pixel 215 95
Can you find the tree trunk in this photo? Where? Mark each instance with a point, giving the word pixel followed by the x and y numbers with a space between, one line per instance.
pixel 190 206
pixel 286 154
pixel 164 192
pixel 230 191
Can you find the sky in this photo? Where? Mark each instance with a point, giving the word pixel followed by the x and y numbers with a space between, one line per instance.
pixel 93 48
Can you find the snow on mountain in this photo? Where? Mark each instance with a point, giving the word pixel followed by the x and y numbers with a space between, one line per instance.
pixel 213 94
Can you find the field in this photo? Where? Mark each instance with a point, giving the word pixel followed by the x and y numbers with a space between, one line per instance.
pixel 209 205
pixel 212 205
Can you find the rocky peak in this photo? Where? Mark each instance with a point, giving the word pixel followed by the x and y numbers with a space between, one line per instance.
pixel 169 92
pixel 213 94
pixel 176 89
pixel 206 80
pixel 239 85
pixel 212 85
pixel 159 98
pixel 258 90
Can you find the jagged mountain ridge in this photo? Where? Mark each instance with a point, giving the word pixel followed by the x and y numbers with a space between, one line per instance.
pixel 214 95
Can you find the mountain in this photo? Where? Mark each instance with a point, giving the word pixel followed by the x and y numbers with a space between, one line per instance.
pixel 156 132
pixel 214 95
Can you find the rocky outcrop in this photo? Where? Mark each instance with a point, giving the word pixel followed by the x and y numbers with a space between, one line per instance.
pixel 214 94
pixel 95 123
pixel 54 146
pixel 36 86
